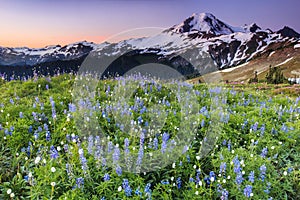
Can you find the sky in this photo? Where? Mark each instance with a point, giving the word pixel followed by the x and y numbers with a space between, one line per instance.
pixel 38 23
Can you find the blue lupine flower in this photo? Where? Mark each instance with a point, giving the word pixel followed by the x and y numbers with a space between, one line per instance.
pixel 248 191
pixel 267 190
pixel 53 152
pixel 53 113
pixel 155 143
pixel 263 170
pixel 110 146
pixel 262 130
pixel 202 123
pixel 140 119
pixel 225 194
pixel 66 147
pixel 198 176
pixel 7 132
pixel 251 177
pixel 222 168
pixel 28 150
pixel 119 170
pixel 126 187
pixel 239 178
pixel 83 160
pixel 237 165
pixel 273 131
pixel 126 145
pixel 72 107
pixel 264 152
pixel 284 128
pixel 185 149
pixel 46 127
pixel 244 124
pixel 108 88
pixel 79 182
pixel 116 155
pixel 40 129
pixel 68 169
pixel 147 189
pixel 254 127
pixel 140 156
pixel 224 142
pixel 34 115
pixel 229 145
pixel 212 175
pixel 138 192
pixel 48 136
pixel 207 180
pixel 90 144
pixel 179 182
pixel 106 177
pixel 36 135
pixel 142 137
pixel 21 115
pixel 165 138
pixel 180 163
pixel 188 158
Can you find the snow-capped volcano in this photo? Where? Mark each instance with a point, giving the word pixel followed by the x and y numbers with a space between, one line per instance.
pixel 202 39
pixel 207 23
pixel 204 23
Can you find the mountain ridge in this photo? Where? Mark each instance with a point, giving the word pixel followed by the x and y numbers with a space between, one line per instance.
pixel 198 36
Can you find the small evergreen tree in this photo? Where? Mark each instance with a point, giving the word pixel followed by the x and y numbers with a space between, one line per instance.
pixel 275 76
pixel 255 79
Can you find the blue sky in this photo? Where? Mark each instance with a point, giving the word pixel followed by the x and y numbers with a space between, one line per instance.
pixel 37 23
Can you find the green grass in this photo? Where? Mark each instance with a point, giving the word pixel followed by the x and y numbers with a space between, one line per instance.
pixel 273 109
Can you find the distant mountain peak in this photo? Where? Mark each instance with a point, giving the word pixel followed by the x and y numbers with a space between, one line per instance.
pixel 204 23
pixel 252 28
pixel 207 23
pixel 288 32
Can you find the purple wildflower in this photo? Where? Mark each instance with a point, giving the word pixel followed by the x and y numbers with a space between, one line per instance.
pixel 225 194
pixel 263 170
pixel 222 168
pixel 106 177
pixel 126 187
pixel 53 152
pixel 79 182
pixel 251 177
pixel 248 191
pixel 264 152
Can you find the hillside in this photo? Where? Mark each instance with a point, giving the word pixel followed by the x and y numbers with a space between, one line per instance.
pixel 286 57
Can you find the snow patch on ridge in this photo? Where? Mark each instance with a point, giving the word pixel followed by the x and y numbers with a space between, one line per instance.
pixel 297 46
pixel 234 68
pixel 286 61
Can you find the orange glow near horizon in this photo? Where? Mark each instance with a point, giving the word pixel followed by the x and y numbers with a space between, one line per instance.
pixel 39 40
